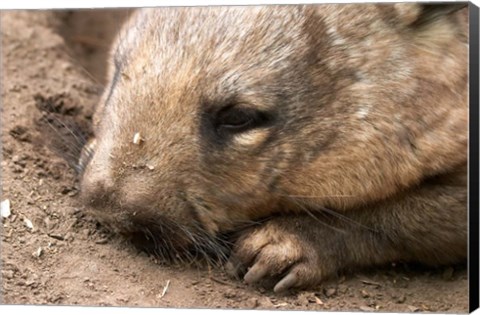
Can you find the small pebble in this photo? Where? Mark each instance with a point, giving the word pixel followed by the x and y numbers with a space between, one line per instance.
pixel 28 223
pixel 318 301
pixel 5 208
pixel 412 308
pixel 38 252
pixel 330 292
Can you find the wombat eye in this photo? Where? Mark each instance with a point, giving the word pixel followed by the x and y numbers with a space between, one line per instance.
pixel 237 119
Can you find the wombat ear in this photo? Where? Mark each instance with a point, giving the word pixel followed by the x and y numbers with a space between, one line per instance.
pixel 417 14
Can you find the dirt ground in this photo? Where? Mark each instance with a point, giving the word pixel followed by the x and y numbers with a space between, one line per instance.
pixel 51 253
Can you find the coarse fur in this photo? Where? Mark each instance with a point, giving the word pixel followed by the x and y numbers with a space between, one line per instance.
pixel 327 136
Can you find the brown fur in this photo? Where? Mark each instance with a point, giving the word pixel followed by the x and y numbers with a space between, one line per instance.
pixel 361 160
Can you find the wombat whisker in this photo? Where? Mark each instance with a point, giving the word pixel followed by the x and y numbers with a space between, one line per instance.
pixel 204 245
pixel 193 242
pixel 309 213
pixel 154 239
pixel 192 257
pixel 78 136
pixel 199 251
pixel 176 257
pixel 74 60
pixel 205 256
pixel 347 219
pixel 218 247
pixel 85 156
pixel 81 140
pixel 70 156
pixel 213 244
pixel 60 136
pixel 337 214
pixel 71 151
pixel 323 214
pixel 165 251
pixel 147 231
pixel 220 241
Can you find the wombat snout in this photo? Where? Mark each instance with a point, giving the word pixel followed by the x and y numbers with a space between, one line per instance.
pixel 155 220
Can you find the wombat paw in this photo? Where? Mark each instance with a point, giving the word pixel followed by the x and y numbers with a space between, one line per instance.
pixel 274 255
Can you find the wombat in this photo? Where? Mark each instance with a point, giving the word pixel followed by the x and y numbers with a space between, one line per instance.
pixel 318 138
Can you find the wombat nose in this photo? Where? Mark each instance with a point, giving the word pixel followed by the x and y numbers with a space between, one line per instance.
pixel 97 192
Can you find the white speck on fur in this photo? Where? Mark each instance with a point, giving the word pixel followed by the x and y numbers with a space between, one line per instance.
pixel 137 139
pixel 363 112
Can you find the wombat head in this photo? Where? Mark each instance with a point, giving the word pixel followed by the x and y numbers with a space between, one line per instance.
pixel 215 117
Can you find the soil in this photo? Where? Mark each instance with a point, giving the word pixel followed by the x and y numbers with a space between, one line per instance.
pixel 52 67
